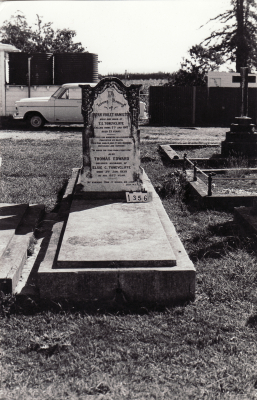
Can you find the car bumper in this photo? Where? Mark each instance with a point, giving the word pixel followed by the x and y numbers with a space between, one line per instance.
pixel 15 116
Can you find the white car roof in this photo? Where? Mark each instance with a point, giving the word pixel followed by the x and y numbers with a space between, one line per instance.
pixel 74 85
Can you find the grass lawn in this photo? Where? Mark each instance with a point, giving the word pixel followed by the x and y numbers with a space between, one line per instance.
pixel 199 152
pixel 36 171
pixel 206 349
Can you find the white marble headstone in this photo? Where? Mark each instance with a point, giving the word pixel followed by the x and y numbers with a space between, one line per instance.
pixel 111 152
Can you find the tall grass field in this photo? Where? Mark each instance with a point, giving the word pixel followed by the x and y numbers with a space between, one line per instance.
pixel 206 349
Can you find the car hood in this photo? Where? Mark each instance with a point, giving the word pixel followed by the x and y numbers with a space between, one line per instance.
pixel 33 99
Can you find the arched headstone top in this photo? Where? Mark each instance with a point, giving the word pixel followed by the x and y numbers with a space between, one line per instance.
pixel 117 87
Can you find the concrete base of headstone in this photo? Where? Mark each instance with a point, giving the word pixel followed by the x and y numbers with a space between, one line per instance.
pixel 241 140
pixel 113 251
pixel 236 148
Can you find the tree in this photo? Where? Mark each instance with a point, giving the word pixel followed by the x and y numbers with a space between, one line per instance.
pixel 236 41
pixel 42 39
pixel 193 70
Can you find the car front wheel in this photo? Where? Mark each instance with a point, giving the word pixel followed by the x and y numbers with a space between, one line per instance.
pixel 36 121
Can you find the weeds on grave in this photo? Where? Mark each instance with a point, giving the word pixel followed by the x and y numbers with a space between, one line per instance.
pixel 240 161
pixel 13 304
pixel 172 184
pixel 7 304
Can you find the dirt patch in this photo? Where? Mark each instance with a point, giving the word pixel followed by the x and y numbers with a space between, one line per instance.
pixel 19 130
pixel 48 133
pixel 179 135
pixel 242 184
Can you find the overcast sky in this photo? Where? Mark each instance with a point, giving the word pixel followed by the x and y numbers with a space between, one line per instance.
pixel 137 36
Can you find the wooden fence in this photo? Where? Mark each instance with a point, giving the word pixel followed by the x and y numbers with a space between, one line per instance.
pixel 198 106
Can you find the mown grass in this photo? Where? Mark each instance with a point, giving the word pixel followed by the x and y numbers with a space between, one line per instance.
pixel 36 171
pixel 202 350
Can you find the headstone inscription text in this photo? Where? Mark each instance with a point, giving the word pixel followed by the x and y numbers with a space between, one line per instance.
pixel 111 160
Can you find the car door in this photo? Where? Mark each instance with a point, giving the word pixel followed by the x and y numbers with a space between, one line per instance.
pixel 67 107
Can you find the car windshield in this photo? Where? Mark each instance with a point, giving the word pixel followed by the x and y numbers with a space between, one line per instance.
pixel 59 92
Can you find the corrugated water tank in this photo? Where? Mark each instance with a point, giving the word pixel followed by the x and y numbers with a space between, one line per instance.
pixel 18 68
pixel 75 67
pixel 41 69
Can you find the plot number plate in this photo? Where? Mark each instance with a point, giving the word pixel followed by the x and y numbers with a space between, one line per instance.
pixel 138 197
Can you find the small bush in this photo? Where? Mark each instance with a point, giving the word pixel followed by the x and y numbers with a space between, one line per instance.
pixel 172 184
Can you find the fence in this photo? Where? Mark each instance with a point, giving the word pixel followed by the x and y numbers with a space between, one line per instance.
pixel 198 106
pixel 210 176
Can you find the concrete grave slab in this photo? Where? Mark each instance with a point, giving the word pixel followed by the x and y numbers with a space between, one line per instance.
pixel 142 285
pixel 102 232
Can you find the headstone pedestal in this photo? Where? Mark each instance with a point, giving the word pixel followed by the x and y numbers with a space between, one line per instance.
pixel 241 140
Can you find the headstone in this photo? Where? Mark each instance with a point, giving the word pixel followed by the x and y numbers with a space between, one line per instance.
pixel 111 158
pixel 114 247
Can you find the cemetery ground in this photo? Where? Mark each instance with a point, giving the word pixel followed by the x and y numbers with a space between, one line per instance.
pixel 205 349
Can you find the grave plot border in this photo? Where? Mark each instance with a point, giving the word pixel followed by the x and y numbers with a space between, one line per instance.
pixel 216 201
pixel 18 226
pixel 168 151
pixel 75 284
pixel 199 189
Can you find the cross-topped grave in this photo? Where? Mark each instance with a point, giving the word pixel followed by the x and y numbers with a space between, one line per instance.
pixel 243 123
pixel 111 158
pixel 244 92
pixel 242 138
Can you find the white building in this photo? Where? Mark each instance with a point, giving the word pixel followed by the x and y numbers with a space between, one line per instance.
pixel 4 50
pixel 229 79
pixel 10 93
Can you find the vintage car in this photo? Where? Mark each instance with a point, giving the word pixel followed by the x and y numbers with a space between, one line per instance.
pixel 63 107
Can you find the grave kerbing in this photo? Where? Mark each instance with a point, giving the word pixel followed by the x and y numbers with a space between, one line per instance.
pixel 111 155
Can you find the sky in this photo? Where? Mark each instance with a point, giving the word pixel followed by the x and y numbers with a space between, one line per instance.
pixel 133 36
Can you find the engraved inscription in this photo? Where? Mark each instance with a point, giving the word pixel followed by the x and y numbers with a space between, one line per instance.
pixel 113 145
pixel 111 124
pixel 112 158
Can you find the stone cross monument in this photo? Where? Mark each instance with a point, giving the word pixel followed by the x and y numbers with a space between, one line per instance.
pixel 242 138
pixel 244 92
